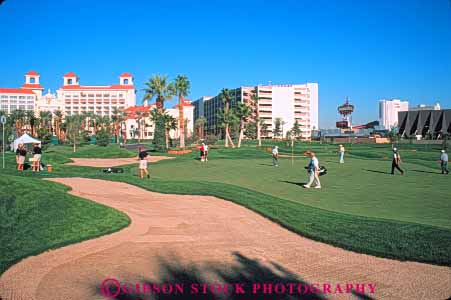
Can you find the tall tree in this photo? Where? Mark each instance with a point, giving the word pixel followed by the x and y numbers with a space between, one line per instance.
pixel 264 128
pixel 116 118
pixel 170 123
pixel 243 112
pixel 199 126
pixel 182 87
pixel 32 121
pixel 255 102
pixel 159 135
pixel 226 116
pixel 296 130
pixel 73 125
pixel 46 121
pixel 58 118
pixel 138 118
pixel 277 127
pixel 159 86
pixel 18 117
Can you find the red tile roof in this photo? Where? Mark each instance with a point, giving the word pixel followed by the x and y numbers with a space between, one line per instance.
pixel 70 74
pixel 132 110
pixel 126 74
pixel 32 73
pixel 16 91
pixel 35 86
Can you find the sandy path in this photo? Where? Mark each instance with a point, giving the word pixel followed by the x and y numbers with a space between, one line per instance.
pixel 111 162
pixel 170 231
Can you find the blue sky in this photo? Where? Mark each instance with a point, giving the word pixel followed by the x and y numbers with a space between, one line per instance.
pixel 366 50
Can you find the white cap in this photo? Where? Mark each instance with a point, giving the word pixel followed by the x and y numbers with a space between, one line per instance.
pixel 443 151
pixel 394 149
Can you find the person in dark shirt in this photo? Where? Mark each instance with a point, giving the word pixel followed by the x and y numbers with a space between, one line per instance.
pixel 37 152
pixel 21 153
pixel 142 154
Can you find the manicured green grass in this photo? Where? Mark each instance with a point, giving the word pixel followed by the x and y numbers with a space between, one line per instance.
pixel 360 207
pixel 37 215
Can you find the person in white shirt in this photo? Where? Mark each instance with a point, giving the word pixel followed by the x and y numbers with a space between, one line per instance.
pixel 206 152
pixel 313 169
pixel 275 156
pixel 341 150
pixel 395 162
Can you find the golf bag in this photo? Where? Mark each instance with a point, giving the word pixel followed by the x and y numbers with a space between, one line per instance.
pixel 322 170
pixel 113 170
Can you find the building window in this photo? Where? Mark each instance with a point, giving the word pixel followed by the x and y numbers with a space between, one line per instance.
pixel 32 80
pixel 69 81
pixel 125 81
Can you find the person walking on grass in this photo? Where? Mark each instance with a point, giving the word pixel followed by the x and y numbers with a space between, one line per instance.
pixel 444 162
pixel 143 162
pixel 395 162
pixel 341 151
pixel 37 153
pixel 202 152
pixel 313 169
pixel 21 154
pixel 206 152
pixel 275 156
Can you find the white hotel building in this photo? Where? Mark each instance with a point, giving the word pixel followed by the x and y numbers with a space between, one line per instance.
pixel 388 111
pixel 24 98
pixel 101 100
pixel 290 102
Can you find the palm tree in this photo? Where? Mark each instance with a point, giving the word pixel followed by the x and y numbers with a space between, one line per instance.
pixel 255 99
pixel 46 120
pixel 32 121
pixel 18 117
pixel 226 116
pixel 58 117
pixel 159 87
pixel 117 120
pixel 243 112
pixel 200 125
pixel 170 123
pixel 182 86
pixel 138 117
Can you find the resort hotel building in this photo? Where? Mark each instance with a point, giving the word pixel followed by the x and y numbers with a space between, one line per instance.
pixel 289 102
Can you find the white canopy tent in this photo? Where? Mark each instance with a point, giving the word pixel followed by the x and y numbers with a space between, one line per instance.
pixel 25 139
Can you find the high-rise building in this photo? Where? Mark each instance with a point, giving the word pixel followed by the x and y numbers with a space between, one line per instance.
pixel 100 100
pixel 289 102
pixel 388 111
pixel 199 106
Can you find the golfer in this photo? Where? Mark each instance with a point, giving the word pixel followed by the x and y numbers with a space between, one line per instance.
pixel 143 162
pixel 202 152
pixel 341 151
pixel 37 153
pixel 206 152
pixel 444 162
pixel 313 169
pixel 21 154
pixel 395 162
pixel 275 156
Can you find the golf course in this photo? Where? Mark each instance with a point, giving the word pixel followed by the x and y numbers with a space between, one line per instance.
pixel 361 207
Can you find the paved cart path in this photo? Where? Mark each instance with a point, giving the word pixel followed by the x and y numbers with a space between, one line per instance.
pixel 208 237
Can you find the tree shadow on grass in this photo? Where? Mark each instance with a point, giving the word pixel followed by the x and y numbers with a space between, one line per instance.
pixel 244 271
pixel 376 171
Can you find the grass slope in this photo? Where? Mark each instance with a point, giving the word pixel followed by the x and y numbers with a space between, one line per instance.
pixel 37 215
